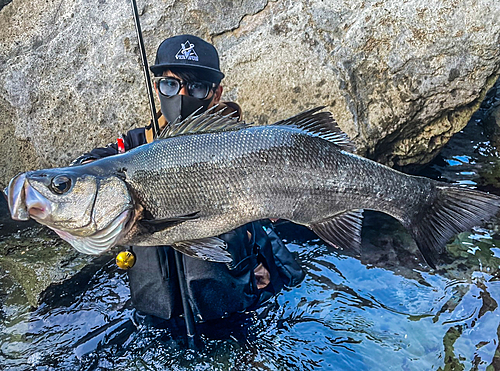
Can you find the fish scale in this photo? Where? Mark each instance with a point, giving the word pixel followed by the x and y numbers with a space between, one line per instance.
pixel 242 176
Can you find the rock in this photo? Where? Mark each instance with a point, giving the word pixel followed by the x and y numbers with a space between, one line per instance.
pixel 36 259
pixel 42 264
pixel 491 106
pixel 401 77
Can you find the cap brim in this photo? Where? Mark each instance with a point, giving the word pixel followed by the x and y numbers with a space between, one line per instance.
pixel 215 74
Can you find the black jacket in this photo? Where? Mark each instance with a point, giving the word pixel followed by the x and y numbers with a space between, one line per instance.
pixel 214 289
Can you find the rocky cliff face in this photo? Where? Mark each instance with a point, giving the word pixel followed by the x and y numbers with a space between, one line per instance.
pixel 401 76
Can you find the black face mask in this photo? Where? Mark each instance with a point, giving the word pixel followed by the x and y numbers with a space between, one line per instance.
pixel 181 106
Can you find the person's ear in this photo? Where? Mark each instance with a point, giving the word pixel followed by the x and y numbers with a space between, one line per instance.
pixel 217 94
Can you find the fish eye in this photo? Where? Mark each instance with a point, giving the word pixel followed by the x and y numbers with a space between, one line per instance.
pixel 60 184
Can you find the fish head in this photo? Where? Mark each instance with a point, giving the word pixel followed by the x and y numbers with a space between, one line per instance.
pixel 89 211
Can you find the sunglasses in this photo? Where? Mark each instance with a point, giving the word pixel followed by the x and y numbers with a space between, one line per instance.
pixel 168 86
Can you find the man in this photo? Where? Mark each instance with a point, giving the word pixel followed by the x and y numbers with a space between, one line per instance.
pixel 187 79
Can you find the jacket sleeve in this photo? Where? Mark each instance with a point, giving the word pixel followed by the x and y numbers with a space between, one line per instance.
pixel 132 139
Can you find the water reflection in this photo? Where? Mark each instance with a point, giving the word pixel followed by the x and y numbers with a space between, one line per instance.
pixel 384 310
pixel 346 315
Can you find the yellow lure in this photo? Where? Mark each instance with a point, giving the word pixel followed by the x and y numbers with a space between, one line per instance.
pixel 125 260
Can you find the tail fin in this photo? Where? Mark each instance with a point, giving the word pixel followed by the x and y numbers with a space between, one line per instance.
pixel 455 209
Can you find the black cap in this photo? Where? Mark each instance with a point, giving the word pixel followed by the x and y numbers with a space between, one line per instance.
pixel 188 51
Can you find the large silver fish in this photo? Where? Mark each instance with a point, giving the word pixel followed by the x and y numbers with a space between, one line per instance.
pixel 211 174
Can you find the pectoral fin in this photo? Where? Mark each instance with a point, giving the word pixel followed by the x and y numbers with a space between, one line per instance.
pixel 156 225
pixel 212 249
pixel 342 231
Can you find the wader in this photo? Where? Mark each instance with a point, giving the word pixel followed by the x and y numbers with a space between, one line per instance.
pixel 214 289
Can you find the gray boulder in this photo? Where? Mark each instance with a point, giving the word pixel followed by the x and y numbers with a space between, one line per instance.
pixel 400 77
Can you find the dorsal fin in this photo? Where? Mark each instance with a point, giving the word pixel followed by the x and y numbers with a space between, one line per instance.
pixel 313 122
pixel 209 121
pixel 320 124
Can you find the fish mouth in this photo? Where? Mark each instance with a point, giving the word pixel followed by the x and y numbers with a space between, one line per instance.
pixel 25 202
pixel 16 197
pixel 37 206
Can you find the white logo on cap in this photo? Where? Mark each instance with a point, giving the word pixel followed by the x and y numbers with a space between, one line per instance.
pixel 187 52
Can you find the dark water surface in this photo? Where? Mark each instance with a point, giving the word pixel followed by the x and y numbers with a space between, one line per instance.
pixel 384 311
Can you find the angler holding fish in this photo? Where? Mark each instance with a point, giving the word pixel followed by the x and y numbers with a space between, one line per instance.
pixel 211 175
pixel 100 210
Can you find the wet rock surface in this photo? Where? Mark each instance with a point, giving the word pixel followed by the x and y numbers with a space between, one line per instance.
pixel 44 266
pixel 400 77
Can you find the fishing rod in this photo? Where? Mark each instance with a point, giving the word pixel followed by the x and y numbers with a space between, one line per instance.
pixel 186 307
pixel 155 127
pixel 188 313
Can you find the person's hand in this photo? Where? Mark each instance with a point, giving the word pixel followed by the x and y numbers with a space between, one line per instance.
pixel 262 276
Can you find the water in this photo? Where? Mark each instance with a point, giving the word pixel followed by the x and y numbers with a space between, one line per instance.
pixel 383 311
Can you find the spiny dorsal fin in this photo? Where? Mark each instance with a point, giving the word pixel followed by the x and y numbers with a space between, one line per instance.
pixel 320 124
pixel 342 231
pixel 209 121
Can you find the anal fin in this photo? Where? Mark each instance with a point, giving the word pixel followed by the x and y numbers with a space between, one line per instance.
pixel 342 231
pixel 212 249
